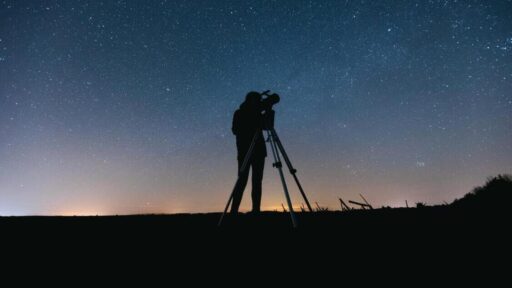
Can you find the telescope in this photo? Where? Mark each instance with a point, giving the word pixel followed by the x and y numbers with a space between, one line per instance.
pixel 266 108
pixel 269 100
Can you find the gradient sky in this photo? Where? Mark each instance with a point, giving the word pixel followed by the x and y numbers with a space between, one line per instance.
pixel 116 107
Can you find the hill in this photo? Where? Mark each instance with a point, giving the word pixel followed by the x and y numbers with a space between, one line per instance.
pixel 496 194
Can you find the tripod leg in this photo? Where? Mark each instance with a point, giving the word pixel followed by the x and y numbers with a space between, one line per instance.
pixel 242 169
pixel 279 166
pixel 293 171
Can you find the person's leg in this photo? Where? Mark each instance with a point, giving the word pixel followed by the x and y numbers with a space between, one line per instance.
pixel 257 177
pixel 239 186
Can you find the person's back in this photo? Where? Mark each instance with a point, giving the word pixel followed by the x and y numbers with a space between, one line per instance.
pixel 247 124
pixel 247 120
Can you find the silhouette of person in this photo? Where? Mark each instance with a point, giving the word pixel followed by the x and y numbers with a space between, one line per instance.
pixel 248 120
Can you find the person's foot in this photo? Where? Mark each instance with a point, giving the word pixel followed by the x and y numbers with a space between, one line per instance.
pixel 255 212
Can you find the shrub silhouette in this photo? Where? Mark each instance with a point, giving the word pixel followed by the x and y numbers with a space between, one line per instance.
pixel 320 208
pixel 420 205
pixel 495 194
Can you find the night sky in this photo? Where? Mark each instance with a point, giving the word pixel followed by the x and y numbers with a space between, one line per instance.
pixel 117 107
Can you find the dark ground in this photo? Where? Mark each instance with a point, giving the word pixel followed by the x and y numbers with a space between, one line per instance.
pixel 416 242
pixel 356 225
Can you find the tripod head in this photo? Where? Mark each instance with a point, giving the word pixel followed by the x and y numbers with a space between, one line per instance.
pixel 268 119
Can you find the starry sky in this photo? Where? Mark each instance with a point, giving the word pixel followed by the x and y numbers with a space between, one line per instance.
pixel 120 107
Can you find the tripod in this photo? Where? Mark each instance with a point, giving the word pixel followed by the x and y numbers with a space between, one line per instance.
pixel 277 150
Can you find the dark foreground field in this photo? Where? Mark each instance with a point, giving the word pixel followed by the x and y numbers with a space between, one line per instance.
pixel 427 241
pixel 439 221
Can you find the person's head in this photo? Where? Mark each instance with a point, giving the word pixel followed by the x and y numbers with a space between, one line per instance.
pixel 252 98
